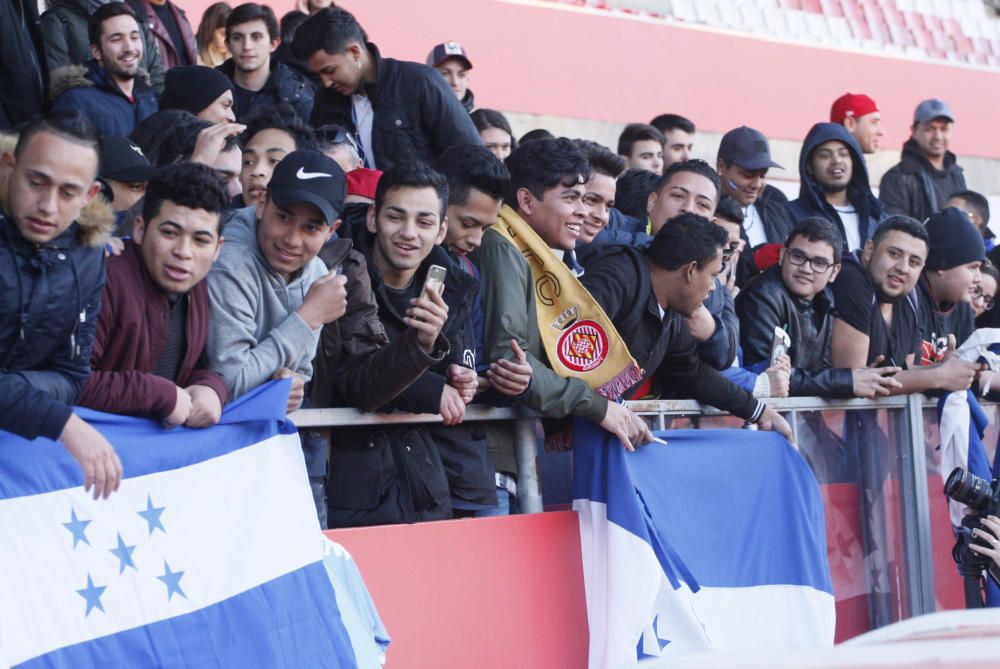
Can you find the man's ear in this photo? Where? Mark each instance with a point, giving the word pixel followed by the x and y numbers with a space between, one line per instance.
pixel 7 162
pixel 370 219
pixel 353 52
pixel 866 252
pixel 692 267
pixel 333 228
pixel 218 248
pixel 525 200
pixel 651 201
pixel 94 189
pixel 95 53
pixel 834 272
pixel 139 232
pixel 274 44
pixel 443 232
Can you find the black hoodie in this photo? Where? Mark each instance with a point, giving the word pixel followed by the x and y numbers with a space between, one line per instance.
pixel 916 188
pixel 812 199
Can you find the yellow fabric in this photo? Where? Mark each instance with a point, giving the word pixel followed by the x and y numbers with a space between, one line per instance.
pixel 579 338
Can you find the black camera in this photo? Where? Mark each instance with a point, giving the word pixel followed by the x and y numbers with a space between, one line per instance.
pixel 984 498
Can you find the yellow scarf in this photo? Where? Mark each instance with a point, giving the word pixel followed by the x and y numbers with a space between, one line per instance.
pixel 579 338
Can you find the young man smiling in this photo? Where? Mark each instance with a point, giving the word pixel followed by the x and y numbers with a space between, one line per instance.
pixel 110 90
pixel 148 357
pixel 399 111
pixel 605 168
pixel 259 79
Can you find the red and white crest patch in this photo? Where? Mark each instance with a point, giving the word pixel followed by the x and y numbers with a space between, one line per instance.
pixel 583 347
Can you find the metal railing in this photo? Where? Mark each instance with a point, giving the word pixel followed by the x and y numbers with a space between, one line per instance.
pixel 905 416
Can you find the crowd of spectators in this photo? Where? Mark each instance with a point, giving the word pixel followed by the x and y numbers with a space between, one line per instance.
pixel 187 219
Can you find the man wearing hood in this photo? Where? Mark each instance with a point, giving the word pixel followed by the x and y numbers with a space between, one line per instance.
pixel 927 173
pixel 834 185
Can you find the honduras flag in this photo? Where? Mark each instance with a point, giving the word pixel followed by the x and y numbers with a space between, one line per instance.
pixel 209 555
pixel 715 541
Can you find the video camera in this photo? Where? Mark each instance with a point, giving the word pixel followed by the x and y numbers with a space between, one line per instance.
pixel 984 498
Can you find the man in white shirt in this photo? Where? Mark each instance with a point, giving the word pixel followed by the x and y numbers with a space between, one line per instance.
pixel 834 185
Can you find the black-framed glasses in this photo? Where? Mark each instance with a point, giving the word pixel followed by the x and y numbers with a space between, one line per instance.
pixel 798 258
pixel 987 300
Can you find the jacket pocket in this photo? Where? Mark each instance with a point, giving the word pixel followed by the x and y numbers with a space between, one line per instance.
pixel 423 471
pixel 362 471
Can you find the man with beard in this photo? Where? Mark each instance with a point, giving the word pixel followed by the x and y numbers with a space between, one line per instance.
pixel 109 90
pixel 260 80
pixel 927 173
pixel 876 321
pixel 834 185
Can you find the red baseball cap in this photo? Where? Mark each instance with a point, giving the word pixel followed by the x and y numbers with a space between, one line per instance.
pixel 363 182
pixel 851 105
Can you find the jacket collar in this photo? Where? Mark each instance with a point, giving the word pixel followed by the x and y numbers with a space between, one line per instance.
pixel 913 161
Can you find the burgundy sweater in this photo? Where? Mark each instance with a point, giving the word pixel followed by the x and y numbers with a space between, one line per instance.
pixel 131 334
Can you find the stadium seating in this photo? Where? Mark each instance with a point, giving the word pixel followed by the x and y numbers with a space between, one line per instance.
pixel 958 31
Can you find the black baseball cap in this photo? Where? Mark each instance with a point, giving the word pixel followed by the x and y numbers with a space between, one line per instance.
pixel 123 160
pixel 747 148
pixel 443 52
pixel 309 176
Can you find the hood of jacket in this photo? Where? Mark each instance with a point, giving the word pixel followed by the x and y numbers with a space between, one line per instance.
pixel 912 161
pixel 90 75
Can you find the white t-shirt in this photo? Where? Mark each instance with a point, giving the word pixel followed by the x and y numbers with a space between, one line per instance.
pixel 753 226
pixel 364 117
pixel 852 228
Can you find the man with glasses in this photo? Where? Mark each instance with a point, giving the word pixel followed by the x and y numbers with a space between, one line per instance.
pixel 794 296
pixel 338 144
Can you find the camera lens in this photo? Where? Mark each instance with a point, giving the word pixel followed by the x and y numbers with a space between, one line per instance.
pixel 969 489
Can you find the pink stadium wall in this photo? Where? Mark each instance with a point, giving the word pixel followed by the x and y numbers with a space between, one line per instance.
pixel 551 59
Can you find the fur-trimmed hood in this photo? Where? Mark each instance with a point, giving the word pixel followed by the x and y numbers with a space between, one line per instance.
pixel 97 219
pixel 89 75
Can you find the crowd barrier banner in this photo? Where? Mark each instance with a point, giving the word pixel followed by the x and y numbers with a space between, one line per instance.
pixel 714 541
pixel 210 553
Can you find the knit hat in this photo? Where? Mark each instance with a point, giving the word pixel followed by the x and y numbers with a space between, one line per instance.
pixel 953 240
pixel 851 105
pixel 193 88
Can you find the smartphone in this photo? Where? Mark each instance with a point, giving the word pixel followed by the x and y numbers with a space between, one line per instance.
pixel 435 279
pixel 779 343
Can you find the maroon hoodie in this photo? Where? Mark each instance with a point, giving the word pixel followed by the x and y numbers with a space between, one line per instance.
pixel 131 334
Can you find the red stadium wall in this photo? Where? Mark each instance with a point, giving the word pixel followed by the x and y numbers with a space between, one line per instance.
pixel 555 60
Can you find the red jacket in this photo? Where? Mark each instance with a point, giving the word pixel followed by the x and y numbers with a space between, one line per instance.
pixel 131 334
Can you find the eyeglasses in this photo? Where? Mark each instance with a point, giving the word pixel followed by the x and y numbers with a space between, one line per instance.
pixel 798 258
pixel 987 300
pixel 334 134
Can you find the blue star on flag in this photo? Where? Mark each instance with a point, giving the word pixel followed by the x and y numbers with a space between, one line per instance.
pixel 78 528
pixel 172 579
pixel 124 555
pixel 152 516
pixel 92 593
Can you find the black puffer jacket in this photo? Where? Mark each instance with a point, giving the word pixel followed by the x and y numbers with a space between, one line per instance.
pixel 417 115
pixel 765 303
pixel 915 188
pixel 285 85
pixel 50 297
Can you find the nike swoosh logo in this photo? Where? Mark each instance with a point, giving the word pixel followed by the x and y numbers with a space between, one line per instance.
pixel 303 175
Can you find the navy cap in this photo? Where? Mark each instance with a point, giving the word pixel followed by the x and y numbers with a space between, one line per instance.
pixel 953 240
pixel 928 110
pixel 443 52
pixel 311 177
pixel 123 160
pixel 747 148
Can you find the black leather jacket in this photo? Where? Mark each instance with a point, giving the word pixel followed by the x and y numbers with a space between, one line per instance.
pixel 765 303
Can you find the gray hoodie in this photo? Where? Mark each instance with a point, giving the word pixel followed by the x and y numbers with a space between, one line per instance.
pixel 255 328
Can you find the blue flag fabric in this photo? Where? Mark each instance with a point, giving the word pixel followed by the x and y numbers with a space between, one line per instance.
pixel 716 540
pixel 209 555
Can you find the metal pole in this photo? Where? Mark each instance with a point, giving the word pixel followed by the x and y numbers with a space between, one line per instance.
pixel 916 509
pixel 529 486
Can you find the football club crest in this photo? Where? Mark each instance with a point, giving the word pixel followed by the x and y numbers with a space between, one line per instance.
pixel 583 346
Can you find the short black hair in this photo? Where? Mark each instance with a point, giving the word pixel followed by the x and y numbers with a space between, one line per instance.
pixel 687 237
pixel 729 209
pixel 170 135
pixel 695 166
pixel 977 201
pixel 471 166
pixel 667 122
pixel 331 29
pixel 632 192
pixel 602 159
pixel 279 117
pixel 102 14
pixel 543 164
pixel 910 226
pixel 412 175
pixel 532 135
pixel 818 229
pixel 68 124
pixel 290 23
pixel 190 185
pixel 251 11
pixel 638 132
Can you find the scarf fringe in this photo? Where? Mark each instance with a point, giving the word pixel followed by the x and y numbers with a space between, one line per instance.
pixel 617 386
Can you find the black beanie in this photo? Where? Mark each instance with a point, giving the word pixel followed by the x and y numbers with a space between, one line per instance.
pixel 953 240
pixel 192 88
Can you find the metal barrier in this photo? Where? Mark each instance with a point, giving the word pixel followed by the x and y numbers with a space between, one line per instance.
pixel 903 426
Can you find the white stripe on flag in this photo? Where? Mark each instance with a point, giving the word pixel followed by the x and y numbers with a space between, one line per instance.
pixel 267 480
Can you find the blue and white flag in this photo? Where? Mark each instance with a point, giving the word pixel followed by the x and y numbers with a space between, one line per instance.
pixel 715 541
pixel 209 555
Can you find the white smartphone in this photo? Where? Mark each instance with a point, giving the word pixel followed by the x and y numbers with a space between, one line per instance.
pixel 435 279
